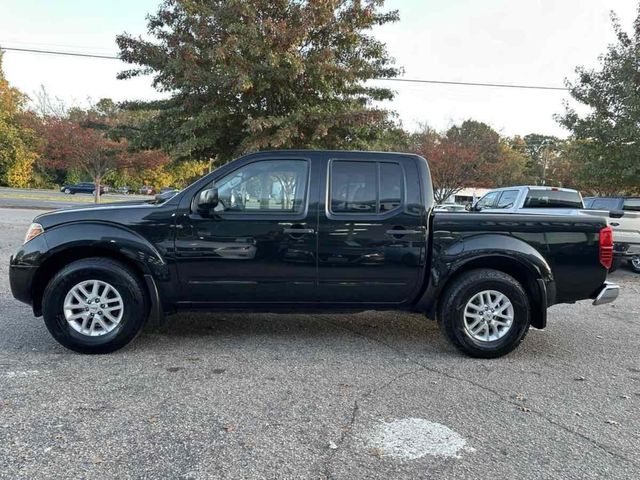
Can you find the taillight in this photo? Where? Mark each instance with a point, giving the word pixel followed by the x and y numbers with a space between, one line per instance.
pixel 606 247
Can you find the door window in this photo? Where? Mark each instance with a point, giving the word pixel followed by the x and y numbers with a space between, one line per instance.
pixel 507 199
pixel 365 187
pixel 488 200
pixel 632 204
pixel 264 186
pixel 604 204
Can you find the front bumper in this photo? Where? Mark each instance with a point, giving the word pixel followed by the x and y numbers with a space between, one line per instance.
pixel 21 280
pixel 607 293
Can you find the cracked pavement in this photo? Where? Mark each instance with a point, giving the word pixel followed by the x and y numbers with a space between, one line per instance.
pixel 268 396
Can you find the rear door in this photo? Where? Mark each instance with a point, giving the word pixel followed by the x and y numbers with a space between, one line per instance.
pixel 371 238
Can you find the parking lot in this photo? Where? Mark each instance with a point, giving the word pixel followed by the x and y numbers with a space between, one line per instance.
pixel 372 395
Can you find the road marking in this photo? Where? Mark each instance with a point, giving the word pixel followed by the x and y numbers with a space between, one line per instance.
pixel 414 438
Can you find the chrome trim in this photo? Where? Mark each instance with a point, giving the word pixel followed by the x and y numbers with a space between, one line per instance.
pixel 608 293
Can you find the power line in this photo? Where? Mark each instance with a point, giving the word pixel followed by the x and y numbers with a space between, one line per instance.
pixel 403 80
pixel 54 52
pixel 473 84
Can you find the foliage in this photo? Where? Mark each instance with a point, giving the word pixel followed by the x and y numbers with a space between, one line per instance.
pixel 471 154
pixel 245 75
pixel 607 138
pixel 17 142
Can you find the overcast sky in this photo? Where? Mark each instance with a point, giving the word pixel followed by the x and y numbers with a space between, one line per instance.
pixel 537 42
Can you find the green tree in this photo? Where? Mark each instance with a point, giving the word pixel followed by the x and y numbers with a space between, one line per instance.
pixel 244 75
pixel 607 138
pixel 17 143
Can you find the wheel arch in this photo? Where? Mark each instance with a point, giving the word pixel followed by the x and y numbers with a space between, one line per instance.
pixel 105 241
pixel 498 252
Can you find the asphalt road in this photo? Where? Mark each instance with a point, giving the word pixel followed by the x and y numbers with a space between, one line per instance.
pixel 50 199
pixel 373 395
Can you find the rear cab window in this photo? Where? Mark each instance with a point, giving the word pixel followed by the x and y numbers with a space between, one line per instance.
pixel 543 198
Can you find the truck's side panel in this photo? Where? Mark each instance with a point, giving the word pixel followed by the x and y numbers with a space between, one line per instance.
pixel 560 251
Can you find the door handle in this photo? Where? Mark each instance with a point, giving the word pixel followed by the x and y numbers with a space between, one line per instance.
pixel 399 232
pixel 298 231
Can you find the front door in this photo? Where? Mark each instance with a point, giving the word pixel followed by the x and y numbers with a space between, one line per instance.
pixel 259 244
pixel 372 239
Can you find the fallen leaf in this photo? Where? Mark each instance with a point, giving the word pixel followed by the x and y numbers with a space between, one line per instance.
pixel 174 369
pixel 613 422
pixel 580 379
pixel 152 419
pixel 333 446
pixel 577 414
pixel 376 452
pixel 229 427
pixel 525 409
pixel 520 397
pixel 96 460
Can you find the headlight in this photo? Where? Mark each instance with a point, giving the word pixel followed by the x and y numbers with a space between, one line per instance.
pixel 34 230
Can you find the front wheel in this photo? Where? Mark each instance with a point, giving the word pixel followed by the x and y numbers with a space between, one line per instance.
pixel 94 305
pixel 485 313
pixel 67 191
pixel 634 263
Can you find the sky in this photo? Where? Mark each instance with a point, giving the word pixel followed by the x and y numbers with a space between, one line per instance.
pixel 533 42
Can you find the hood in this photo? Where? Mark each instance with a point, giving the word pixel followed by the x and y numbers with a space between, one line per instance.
pixel 116 212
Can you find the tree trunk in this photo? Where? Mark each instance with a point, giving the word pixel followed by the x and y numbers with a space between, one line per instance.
pixel 96 193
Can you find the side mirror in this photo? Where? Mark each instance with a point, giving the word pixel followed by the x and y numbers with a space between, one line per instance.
pixel 207 200
pixel 475 208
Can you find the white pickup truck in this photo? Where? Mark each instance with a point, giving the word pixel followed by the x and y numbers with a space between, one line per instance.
pixel 622 214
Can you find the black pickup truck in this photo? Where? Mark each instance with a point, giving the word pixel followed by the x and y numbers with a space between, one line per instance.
pixel 302 231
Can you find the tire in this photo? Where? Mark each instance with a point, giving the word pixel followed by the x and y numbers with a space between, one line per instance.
pixel 468 288
pixel 67 191
pixel 72 334
pixel 634 263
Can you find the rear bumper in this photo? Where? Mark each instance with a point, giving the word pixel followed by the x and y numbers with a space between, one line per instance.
pixel 607 293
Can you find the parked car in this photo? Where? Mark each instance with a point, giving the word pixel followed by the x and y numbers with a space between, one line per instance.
pixel 82 187
pixel 325 231
pixel 147 190
pixel 624 218
pixel 450 207
pixel 530 199
pixel 124 190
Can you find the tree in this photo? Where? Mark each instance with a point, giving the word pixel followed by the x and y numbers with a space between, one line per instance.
pixel 471 154
pixel 544 154
pixel 69 145
pixel 607 138
pixel 17 142
pixel 244 75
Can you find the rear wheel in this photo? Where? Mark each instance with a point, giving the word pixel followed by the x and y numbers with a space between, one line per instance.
pixel 634 263
pixel 485 313
pixel 94 305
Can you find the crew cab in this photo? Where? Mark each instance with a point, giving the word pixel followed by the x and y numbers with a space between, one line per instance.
pixel 301 231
